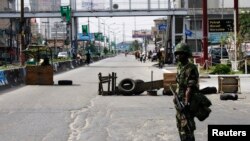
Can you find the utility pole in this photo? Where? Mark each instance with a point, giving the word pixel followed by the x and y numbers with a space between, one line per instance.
pixel 123 32
pixel 55 39
pixel 21 32
pixel 205 32
pixel 236 30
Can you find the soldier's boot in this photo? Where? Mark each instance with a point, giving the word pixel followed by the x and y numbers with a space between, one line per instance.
pixel 185 137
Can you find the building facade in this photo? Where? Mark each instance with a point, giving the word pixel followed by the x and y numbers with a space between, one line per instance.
pixel 45 5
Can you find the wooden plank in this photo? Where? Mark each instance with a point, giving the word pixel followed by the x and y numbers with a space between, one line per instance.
pixel 228 84
pixel 158 84
pixel 229 80
pixel 229 89
pixel 169 76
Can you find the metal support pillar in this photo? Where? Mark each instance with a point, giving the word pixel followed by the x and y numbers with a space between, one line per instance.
pixel 74 37
pixel 149 5
pixel 236 30
pixel 173 36
pixel 205 32
pixel 21 32
pixel 130 5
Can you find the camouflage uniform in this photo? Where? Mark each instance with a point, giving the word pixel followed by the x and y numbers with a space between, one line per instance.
pixel 187 76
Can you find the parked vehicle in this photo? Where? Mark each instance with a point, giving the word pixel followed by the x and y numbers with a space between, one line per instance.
pixel 216 53
pixel 154 57
pixel 63 54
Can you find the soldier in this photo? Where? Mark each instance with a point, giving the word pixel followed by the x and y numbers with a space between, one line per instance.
pixel 187 85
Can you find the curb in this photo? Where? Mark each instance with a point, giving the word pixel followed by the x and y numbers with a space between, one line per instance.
pixel 213 76
pixel 204 76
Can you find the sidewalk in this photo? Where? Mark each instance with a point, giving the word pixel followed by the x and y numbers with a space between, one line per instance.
pixel 172 68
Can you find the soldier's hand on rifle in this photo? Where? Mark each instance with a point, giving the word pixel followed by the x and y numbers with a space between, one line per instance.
pixel 174 100
pixel 187 96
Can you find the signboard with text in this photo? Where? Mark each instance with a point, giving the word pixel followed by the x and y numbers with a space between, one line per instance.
pixel 221 25
pixel 141 33
pixel 162 27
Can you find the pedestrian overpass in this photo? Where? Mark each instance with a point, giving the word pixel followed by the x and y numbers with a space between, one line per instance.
pixel 104 8
pixel 101 8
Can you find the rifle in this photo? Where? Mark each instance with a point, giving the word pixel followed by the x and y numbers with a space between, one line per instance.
pixel 180 106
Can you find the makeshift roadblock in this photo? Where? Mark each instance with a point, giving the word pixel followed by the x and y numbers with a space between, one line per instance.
pixel 129 87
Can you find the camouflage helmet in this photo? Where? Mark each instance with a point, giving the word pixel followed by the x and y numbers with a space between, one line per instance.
pixel 183 48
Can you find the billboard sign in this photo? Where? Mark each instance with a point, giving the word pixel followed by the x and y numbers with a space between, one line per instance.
pixel 91 5
pixel 215 38
pixel 89 37
pixel 141 34
pixel 221 25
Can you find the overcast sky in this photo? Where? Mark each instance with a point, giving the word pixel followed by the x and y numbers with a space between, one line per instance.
pixel 123 26
pixel 119 25
pixel 130 23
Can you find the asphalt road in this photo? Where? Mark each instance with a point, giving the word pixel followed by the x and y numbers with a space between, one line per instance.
pixel 78 113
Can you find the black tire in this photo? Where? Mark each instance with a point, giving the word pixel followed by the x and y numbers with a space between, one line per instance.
pixel 138 90
pixel 126 86
pixel 229 96
pixel 65 82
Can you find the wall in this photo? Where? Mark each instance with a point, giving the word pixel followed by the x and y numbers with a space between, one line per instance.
pixel 16 77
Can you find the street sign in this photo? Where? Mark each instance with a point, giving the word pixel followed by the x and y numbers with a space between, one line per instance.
pixel 66 12
pixel 162 27
pixel 85 29
pixel 188 32
pixel 221 25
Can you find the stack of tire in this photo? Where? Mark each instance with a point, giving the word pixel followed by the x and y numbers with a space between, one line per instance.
pixel 129 87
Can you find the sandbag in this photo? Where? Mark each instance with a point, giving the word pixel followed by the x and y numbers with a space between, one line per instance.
pixel 208 90
pixel 229 96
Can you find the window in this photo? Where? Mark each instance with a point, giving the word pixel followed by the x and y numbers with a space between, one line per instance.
pixel 195 26
pixel 195 3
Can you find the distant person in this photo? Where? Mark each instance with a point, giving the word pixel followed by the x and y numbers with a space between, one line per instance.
pixel 142 57
pixel 126 53
pixel 88 58
pixel 150 53
pixel 160 57
pixel 137 55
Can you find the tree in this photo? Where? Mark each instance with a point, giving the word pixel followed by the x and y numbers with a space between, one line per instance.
pixel 38 39
pixel 91 47
pixel 245 25
pixel 135 45
pixel 242 36
pixel 105 50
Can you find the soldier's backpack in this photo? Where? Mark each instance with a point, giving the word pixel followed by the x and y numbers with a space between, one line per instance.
pixel 200 106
